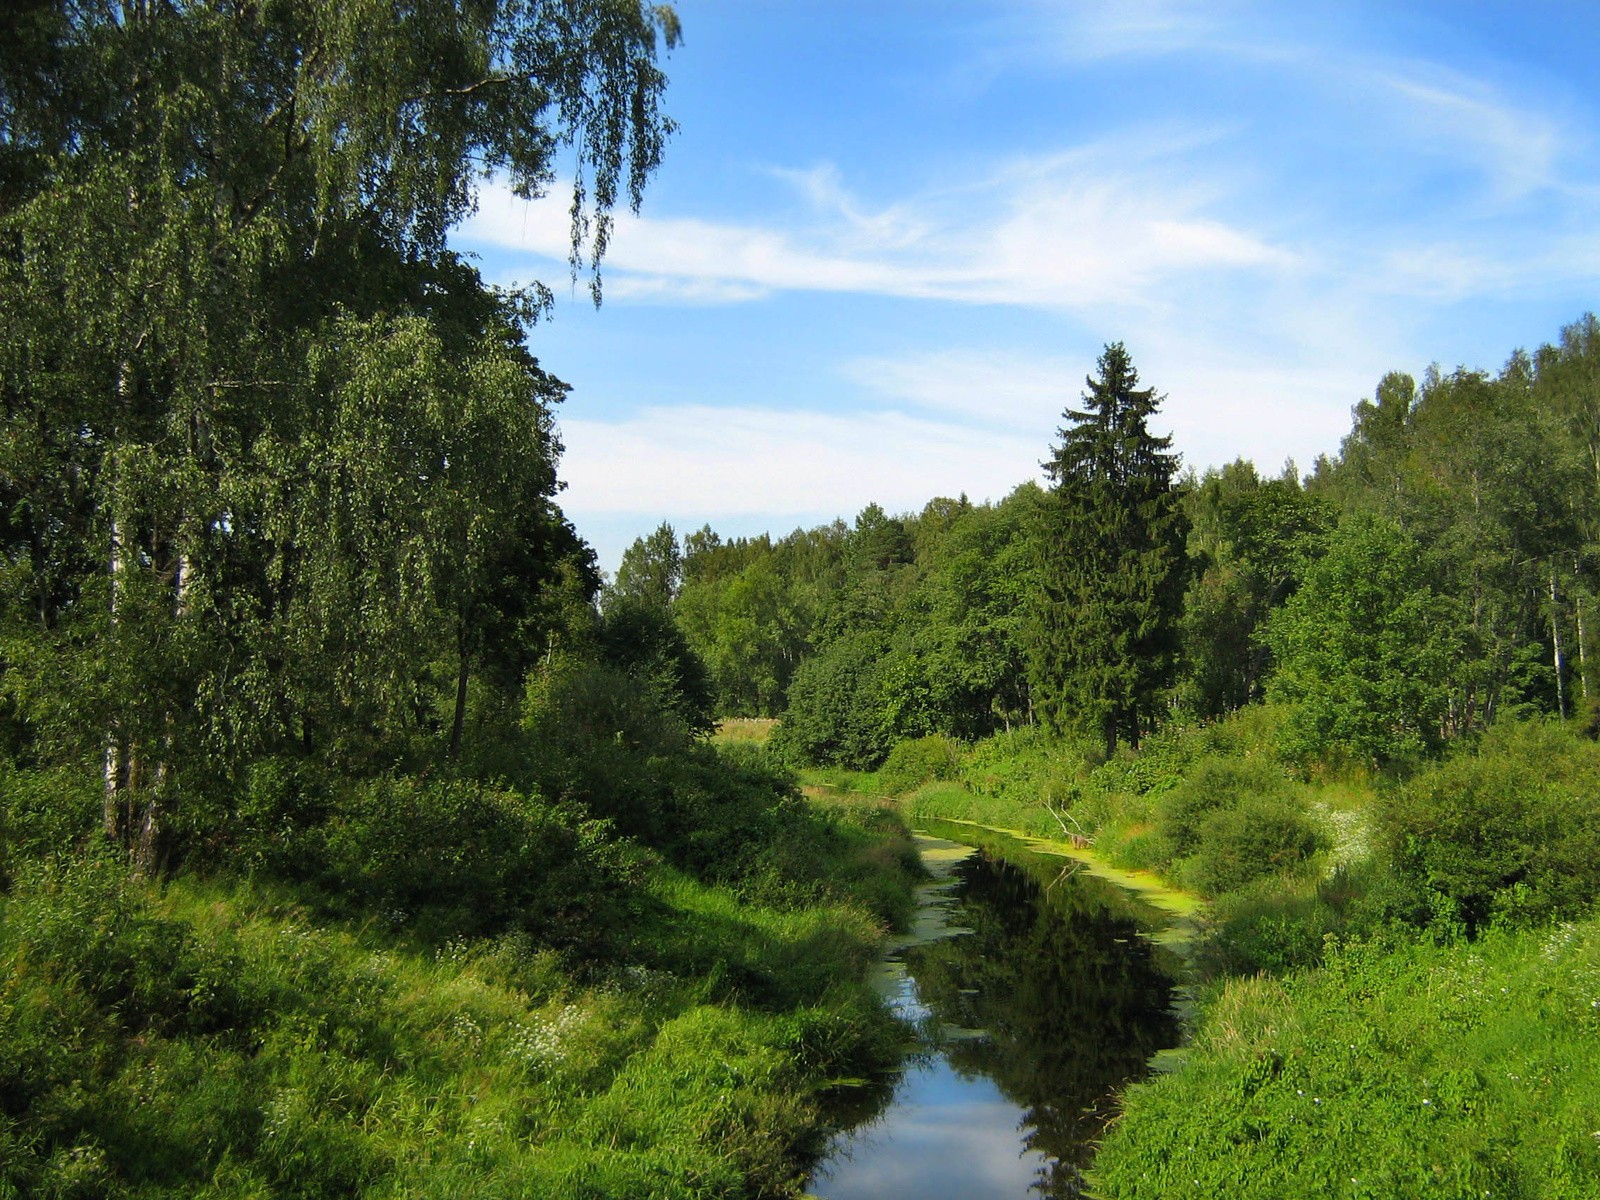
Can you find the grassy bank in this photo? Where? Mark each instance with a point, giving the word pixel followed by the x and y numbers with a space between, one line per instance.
pixel 1396 1070
pixel 1400 974
pixel 234 1035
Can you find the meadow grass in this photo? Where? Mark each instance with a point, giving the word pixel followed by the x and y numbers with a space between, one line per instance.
pixel 1394 1070
pixel 221 1037
pixel 753 730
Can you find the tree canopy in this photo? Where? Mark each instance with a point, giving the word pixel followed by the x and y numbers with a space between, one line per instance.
pixel 275 462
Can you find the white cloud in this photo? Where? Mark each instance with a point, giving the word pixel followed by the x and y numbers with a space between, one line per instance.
pixel 1093 226
pixel 997 389
pixel 728 461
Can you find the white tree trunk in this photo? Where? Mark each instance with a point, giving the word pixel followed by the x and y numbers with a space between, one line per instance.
pixel 1555 645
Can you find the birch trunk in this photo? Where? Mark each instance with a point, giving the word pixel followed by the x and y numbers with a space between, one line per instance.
pixel 1555 645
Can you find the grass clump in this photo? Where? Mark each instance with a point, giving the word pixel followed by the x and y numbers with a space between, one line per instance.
pixel 1398 1069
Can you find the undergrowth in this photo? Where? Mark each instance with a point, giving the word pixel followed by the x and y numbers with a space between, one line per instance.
pixel 548 1010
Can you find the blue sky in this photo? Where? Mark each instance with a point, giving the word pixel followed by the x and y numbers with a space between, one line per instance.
pixel 890 239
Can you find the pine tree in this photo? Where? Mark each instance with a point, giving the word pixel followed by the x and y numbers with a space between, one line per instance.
pixel 1111 538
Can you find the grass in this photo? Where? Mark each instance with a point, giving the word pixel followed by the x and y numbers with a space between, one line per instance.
pixel 1396 1070
pixel 217 1037
pixel 753 730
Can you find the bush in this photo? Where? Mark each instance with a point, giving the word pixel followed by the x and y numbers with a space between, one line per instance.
pixel 1213 785
pixel 473 859
pixel 838 714
pixel 934 758
pixel 44 813
pixel 1260 837
pixel 1509 833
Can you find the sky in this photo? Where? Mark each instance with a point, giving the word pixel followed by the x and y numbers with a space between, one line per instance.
pixel 889 240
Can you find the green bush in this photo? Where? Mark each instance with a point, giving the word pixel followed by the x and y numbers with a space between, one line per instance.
pixel 1510 832
pixel 44 813
pixel 1399 1069
pixel 916 761
pixel 1261 836
pixel 838 713
pixel 470 859
pixel 1213 785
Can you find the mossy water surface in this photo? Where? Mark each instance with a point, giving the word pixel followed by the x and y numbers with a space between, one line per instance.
pixel 1038 991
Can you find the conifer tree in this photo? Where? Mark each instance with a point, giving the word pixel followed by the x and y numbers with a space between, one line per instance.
pixel 1110 541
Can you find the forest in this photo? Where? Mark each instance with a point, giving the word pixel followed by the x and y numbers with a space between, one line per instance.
pixel 359 838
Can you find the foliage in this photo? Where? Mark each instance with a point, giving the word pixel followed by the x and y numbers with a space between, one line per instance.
pixel 651 570
pixel 278 471
pixel 1250 541
pixel 1507 833
pixel 1251 840
pixel 920 760
pixel 942 591
pixel 838 710
pixel 1365 649
pixel 461 859
pixel 643 641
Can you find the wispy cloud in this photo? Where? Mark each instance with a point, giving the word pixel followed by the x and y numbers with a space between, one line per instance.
pixel 1087 227
pixel 992 388
pixel 1101 29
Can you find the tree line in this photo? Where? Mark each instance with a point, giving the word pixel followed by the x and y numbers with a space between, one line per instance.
pixel 1435 573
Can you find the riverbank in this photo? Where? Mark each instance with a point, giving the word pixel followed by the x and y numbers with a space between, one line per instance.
pixel 1395 1009
pixel 233 1036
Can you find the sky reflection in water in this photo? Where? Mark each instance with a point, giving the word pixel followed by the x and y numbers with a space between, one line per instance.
pixel 1072 1003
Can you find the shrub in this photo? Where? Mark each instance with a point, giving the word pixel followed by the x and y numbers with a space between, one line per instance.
pixel 473 859
pixel 837 713
pixel 920 760
pixel 1215 784
pixel 1259 837
pixel 44 813
pixel 1511 832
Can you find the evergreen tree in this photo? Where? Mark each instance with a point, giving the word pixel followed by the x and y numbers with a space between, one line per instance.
pixel 1111 546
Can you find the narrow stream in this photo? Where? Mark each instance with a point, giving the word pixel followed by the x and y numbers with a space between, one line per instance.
pixel 1038 992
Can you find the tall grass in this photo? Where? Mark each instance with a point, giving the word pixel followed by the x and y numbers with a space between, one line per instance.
pixel 232 1037
pixel 1397 1070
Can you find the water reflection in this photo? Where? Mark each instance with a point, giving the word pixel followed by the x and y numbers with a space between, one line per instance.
pixel 1055 1002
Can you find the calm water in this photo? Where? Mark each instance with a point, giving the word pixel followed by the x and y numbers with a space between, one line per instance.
pixel 1037 997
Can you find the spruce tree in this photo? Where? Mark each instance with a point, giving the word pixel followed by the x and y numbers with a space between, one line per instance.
pixel 1110 541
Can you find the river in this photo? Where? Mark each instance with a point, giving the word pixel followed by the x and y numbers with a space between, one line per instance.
pixel 1038 991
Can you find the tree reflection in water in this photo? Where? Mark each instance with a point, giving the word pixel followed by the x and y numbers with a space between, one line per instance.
pixel 1073 1003
pixel 1071 997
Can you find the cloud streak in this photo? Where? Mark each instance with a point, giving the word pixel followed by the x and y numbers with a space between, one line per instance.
pixel 1093 226
pixel 711 461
